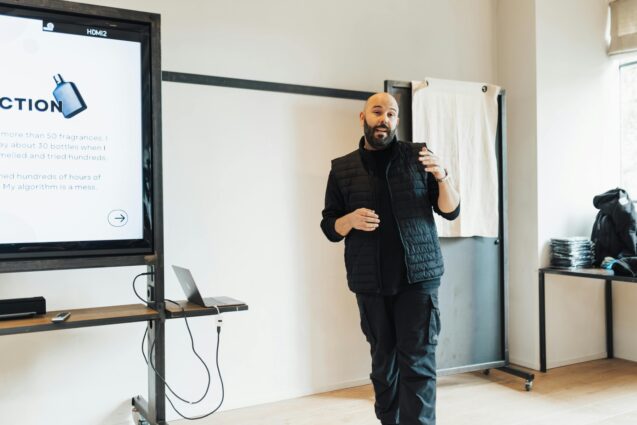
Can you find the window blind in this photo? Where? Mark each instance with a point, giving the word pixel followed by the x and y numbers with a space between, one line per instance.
pixel 623 26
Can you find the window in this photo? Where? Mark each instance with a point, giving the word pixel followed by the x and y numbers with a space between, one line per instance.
pixel 628 134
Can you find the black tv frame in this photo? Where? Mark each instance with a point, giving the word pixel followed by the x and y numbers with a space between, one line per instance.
pixel 85 254
pixel 153 409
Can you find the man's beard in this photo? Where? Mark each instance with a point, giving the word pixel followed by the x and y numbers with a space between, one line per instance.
pixel 375 142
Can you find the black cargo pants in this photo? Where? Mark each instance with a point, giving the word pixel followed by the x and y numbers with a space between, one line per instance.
pixel 402 331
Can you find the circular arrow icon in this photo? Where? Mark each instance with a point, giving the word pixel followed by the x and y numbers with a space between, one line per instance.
pixel 117 218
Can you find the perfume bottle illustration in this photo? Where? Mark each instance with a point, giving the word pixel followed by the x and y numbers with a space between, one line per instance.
pixel 69 96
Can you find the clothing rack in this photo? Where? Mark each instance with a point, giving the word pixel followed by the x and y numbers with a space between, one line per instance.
pixel 494 276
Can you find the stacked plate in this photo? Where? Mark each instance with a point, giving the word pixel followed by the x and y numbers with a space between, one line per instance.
pixel 571 253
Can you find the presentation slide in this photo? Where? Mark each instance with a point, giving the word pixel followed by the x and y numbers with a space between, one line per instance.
pixel 70 133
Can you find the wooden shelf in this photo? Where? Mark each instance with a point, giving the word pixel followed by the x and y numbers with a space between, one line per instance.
pixel 192 310
pixel 84 317
pixel 99 316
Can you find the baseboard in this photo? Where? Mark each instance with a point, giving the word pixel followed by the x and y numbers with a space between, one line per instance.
pixel 341 386
pixel 626 356
pixel 553 364
pixel 284 396
pixel 524 363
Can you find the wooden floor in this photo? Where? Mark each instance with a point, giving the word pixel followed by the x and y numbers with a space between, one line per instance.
pixel 601 392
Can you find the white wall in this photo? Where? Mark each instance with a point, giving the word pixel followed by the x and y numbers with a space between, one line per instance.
pixel 577 159
pixel 564 150
pixel 517 74
pixel 260 242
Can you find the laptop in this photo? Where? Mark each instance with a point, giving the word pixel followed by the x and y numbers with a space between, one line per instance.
pixel 189 286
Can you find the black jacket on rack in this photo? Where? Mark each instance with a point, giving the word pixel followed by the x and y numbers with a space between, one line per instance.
pixel 615 228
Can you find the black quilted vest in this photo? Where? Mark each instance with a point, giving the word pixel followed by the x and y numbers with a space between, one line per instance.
pixel 407 183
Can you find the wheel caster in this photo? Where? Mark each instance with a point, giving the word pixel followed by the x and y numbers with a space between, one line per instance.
pixel 528 385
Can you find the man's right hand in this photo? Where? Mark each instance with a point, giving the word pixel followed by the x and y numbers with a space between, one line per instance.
pixel 361 219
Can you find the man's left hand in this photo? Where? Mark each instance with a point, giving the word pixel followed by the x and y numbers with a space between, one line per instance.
pixel 431 163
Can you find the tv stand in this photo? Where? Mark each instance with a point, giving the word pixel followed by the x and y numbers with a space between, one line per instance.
pixel 110 315
pixel 149 255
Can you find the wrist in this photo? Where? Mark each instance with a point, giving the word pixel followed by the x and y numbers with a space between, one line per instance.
pixel 444 178
pixel 348 220
pixel 341 226
pixel 345 224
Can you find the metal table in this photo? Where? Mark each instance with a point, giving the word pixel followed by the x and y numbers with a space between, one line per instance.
pixel 606 275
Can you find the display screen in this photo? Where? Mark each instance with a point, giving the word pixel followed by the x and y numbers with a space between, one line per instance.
pixel 75 151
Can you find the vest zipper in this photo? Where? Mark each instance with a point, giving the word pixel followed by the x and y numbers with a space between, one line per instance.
pixel 379 275
pixel 400 233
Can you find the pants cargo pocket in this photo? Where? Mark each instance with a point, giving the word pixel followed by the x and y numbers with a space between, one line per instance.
pixel 434 320
pixel 365 325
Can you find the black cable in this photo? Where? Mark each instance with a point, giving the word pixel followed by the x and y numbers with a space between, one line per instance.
pixel 194 418
pixel 168 398
pixel 161 378
pixel 135 289
pixel 192 345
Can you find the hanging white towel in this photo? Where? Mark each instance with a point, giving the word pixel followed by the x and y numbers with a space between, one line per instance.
pixel 458 121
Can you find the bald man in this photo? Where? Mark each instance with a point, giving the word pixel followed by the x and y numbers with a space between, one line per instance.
pixel 380 199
